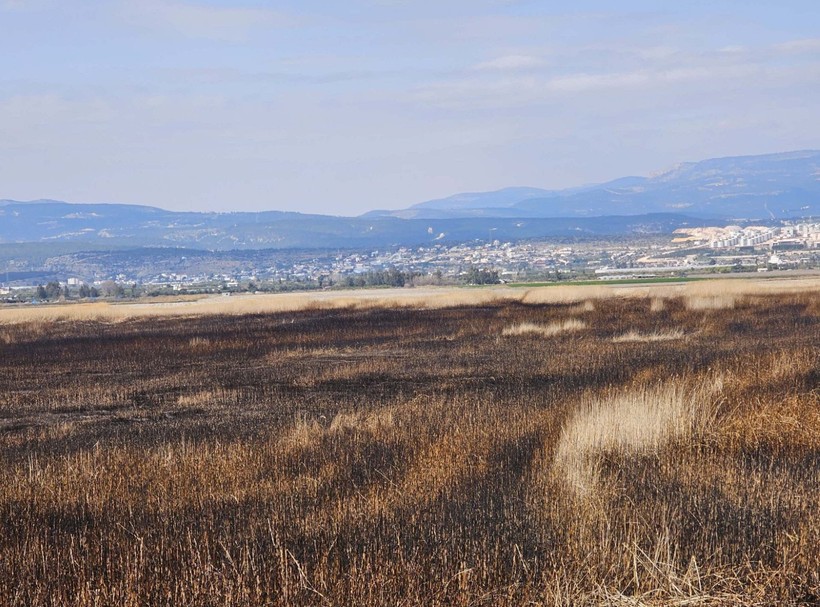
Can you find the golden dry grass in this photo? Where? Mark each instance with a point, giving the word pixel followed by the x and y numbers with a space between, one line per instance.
pixel 587 306
pixel 707 294
pixel 657 304
pixel 638 421
pixel 635 336
pixel 711 302
pixel 529 328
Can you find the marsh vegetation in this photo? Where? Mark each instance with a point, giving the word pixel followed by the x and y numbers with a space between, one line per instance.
pixel 646 448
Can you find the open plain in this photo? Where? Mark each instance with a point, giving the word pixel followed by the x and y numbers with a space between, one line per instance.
pixel 642 445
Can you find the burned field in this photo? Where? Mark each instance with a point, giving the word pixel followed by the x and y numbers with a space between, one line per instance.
pixel 651 450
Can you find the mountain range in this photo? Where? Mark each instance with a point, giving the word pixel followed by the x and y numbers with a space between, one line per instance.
pixel 746 187
pixel 772 186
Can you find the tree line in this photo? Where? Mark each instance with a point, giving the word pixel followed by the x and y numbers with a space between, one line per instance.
pixel 53 291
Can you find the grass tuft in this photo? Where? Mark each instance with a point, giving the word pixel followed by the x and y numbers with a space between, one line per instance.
pixel 549 330
pixel 639 421
pixel 635 336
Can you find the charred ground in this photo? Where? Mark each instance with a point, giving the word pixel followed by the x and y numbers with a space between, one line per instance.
pixel 412 456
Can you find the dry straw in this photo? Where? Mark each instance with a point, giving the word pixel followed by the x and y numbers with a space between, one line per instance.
pixel 712 294
pixel 635 336
pixel 530 328
pixel 638 421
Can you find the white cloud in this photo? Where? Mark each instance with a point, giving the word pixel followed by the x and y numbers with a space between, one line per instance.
pixel 589 82
pixel 482 91
pixel 25 5
pixel 734 49
pixel 656 53
pixel 808 45
pixel 510 63
pixel 193 20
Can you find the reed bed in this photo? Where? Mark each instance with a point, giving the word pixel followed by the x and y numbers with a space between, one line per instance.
pixel 705 293
pixel 405 453
pixel 529 328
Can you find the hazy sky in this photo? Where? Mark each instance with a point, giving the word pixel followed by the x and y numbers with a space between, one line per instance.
pixel 342 107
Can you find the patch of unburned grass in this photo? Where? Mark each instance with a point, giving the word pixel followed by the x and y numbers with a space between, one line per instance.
pixel 636 336
pixel 657 304
pixel 702 294
pixel 639 421
pixel 711 302
pixel 545 330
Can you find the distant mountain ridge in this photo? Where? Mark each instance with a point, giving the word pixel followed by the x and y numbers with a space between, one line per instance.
pixel 104 226
pixel 744 187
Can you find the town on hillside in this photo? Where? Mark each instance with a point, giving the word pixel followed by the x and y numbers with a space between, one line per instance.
pixel 153 271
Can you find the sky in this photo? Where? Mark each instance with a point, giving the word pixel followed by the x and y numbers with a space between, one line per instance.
pixel 344 107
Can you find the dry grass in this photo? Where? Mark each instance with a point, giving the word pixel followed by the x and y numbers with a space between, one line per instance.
pixel 703 295
pixel 635 336
pixel 581 308
pixel 402 453
pixel 711 302
pixel 567 294
pixel 530 328
pixel 657 304
pixel 639 421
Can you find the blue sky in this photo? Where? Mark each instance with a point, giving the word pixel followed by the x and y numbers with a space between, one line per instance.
pixel 344 107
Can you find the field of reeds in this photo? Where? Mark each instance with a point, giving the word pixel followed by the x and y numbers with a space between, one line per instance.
pixel 651 446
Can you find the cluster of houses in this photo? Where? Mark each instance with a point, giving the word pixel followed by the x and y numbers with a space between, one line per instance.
pixel 801 235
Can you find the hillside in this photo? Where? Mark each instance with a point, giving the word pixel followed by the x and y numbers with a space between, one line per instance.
pixel 744 187
pixel 115 226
